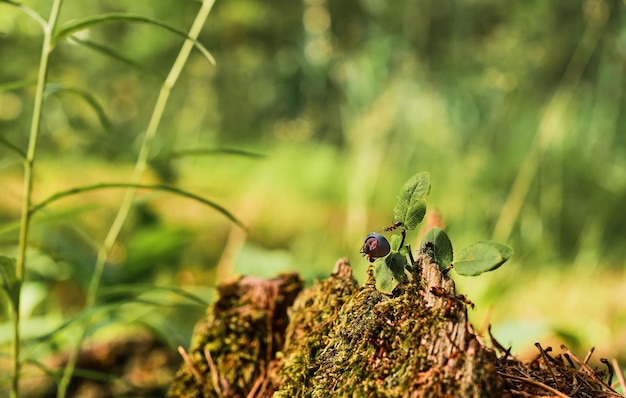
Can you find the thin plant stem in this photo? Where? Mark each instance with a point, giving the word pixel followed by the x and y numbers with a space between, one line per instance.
pixel 29 163
pixel 140 166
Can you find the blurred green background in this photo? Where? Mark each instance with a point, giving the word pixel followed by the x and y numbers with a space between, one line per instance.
pixel 516 108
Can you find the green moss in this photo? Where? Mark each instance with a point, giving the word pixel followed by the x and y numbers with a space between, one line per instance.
pixel 312 317
pixel 342 341
pixel 240 337
pixel 378 345
pixel 371 345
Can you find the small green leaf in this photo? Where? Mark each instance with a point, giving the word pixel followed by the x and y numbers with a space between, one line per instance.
pixel 389 272
pixel 441 251
pixel 395 241
pixel 482 257
pixel 10 284
pixel 411 202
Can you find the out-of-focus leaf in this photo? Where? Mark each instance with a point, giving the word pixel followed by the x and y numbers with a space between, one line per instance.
pixel 10 86
pixel 111 52
pixel 441 250
pixel 28 11
pixel 129 292
pixel 10 284
pixel 395 242
pixel 214 151
pixel 149 248
pixel 12 147
pixel 482 257
pixel 389 272
pixel 158 187
pixel 411 202
pixel 86 23
pixel 87 97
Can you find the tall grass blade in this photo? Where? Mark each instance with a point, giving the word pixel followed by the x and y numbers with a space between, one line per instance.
pixel 157 187
pixel 76 26
pixel 217 151
pixel 13 147
pixel 112 53
pixel 28 11
pixel 10 86
pixel 127 291
pixel 142 159
pixel 10 283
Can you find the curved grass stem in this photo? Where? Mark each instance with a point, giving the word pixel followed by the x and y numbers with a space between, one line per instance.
pixel 140 166
pixel 29 163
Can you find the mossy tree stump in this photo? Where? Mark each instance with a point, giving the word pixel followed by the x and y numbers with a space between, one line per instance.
pixel 267 338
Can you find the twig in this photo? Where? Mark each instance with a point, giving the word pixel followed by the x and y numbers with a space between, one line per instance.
pixel 586 367
pixel 527 395
pixel 589 354
pixel 497 345
pixel 569 360
pixel 255 387
pixel 535 383
pixel 192 367
pixel 547 362
pixel 619 374
pixel 609 367
pixel 215 377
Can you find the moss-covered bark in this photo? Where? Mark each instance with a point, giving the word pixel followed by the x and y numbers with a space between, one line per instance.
pixel 233 350
pixel 413 343
pixel 341 340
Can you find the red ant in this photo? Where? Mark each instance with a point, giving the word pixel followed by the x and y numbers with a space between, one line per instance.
pixel 394 226
pixel 441 292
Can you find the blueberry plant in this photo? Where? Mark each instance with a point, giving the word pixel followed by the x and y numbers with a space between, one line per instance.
pixel 392 260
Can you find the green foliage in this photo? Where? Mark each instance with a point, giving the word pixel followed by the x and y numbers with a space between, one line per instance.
pixel 10 283
pixel 151 248
pixel 396 242
pixel 87 97
pixel 389 271
pixel 411 202
pixel 438 246
pixel 74 27
pixel 390 96
pixel 482 257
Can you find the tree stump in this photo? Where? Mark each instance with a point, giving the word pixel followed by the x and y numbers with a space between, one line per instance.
pixel 266 338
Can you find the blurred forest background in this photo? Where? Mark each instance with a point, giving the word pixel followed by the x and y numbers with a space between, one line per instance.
pixel 321 110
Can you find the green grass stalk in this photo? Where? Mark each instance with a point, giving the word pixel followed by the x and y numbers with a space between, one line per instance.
pixel 29 163
pixel 140 166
